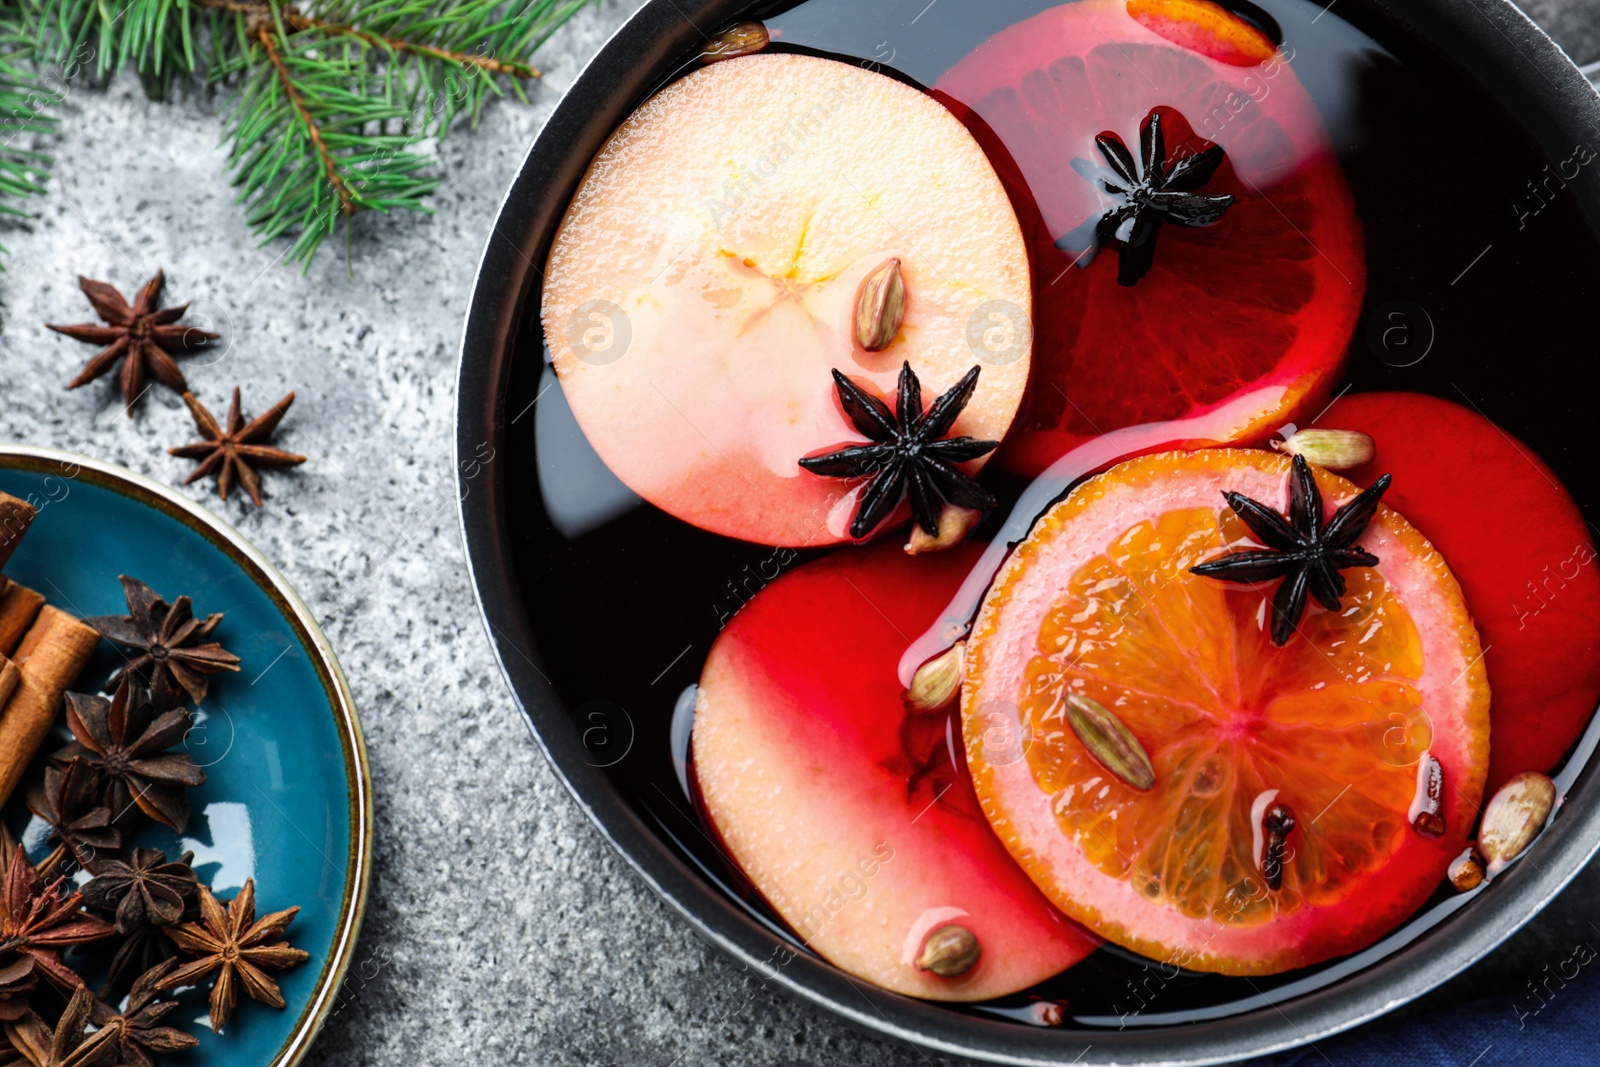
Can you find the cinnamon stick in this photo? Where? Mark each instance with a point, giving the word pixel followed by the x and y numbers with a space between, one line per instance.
pixel 56 648
pixel 19 606
pixel 15 518
pixel 10 676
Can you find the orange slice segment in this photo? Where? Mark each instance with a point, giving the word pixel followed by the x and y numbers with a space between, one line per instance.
pixel 1252 314
pixel 1342 724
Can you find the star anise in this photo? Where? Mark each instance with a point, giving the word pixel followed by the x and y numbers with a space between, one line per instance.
pixel 38 922
pixel 145 893
pixel 1153 191
pixel 125 742
pixel 234 945
pixel 909 454
pixel 17 980
pixel 140 336
pixel 143 890
pixel 1305 552
pixel 69 800
pixel 234 454
pixel 140 1032
pixel 66 1045
pixel 175 650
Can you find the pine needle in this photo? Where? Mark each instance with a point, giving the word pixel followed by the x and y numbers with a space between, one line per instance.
pixel 25 102
pixel 332 97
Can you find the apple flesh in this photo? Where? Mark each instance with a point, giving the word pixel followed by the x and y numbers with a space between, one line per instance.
pixel 854 817
pixel 1521 550
pixel 703 284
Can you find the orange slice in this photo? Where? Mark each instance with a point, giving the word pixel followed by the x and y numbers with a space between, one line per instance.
pixel 1251 315
pixel 1343 724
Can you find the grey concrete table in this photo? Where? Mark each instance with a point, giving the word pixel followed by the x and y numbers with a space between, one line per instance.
pixel 501 928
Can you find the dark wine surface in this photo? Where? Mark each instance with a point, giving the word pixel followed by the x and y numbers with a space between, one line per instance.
pixel 1482 283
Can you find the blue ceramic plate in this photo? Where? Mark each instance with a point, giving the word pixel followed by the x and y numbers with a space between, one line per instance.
pixel 287 799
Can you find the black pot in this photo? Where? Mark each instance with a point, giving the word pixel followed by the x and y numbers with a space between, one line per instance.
pixel 1490 41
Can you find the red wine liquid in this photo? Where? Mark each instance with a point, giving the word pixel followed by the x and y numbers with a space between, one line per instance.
pixel 1481 281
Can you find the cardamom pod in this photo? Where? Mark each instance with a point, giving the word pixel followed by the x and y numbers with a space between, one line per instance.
pixel 740 39
pixel 881 306
pixel 1466 871
pixel 1336 450
pixel 1110 742
pixel 937 682
pixel 954 525
pixel 1514 816
pixel 949 951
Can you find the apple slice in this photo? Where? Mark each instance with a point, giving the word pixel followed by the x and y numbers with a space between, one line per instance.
pixel 704 281
pixel 854 817
pixel 1521 549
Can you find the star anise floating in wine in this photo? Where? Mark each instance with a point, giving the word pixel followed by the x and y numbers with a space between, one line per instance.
pixel 1305 552
pixel 172 650
pixel 142 335
pixel 908 454
pixel 1153 191
pixel 233 455
pixel 235 946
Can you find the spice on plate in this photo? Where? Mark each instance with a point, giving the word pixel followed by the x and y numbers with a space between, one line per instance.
pixel 145 894
pixel 174 650
pixel 39 920
pixel 140 1033
pixel 55 649
pixel 235 946
pixel 126 743
pixel 66 1044
pixel 15 518
pixel 69 800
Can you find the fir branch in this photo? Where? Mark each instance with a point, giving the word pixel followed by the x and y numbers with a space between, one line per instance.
pixel 25 99
pixel 332 97
pixel 156 38
pixel 308 142
pixel 312 133
pixel 454 55
pixel 294 20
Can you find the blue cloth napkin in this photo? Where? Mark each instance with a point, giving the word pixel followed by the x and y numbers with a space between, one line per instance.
pixel 1552 1020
